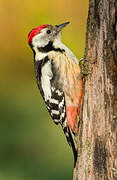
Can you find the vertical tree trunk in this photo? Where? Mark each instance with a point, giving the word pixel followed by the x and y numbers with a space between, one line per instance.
pixel 97 139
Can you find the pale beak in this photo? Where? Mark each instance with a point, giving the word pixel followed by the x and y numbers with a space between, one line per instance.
pixel 61 26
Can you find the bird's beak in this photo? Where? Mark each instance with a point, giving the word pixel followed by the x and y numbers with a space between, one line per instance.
pixel 61 26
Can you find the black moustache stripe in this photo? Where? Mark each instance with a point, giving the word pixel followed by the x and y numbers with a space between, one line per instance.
pixel 50 47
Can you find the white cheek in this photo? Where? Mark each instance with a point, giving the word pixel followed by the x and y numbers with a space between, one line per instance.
pixel 41 39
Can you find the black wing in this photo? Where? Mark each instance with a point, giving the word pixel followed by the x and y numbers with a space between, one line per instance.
pixel 56 106
pixel 56 103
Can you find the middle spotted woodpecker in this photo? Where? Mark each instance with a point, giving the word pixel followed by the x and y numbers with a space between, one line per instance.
pixel 58 78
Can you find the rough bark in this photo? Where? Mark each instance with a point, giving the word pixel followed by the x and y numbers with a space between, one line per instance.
pixel 97 139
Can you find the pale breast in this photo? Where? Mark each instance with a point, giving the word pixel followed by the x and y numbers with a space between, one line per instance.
pixel 69 77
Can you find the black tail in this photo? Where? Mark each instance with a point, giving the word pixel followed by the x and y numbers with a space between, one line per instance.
pixel 71 140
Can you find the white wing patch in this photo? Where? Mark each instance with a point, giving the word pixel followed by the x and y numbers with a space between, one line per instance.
pixel 54 101
pixel 45 80
pixel 61 104
pixel 59 92
pixel 55 112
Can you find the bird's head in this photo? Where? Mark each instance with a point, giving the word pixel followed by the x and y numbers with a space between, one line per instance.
pixel 43 34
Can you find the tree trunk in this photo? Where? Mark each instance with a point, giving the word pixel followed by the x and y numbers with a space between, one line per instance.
pixel 97 139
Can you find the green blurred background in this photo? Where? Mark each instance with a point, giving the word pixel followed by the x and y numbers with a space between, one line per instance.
pixel 32 147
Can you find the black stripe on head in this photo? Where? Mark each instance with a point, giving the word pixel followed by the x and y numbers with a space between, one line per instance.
pixel 50 47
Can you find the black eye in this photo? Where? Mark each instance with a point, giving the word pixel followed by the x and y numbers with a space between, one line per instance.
pixel 48 31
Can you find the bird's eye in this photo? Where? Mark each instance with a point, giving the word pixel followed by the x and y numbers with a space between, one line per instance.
pixel 48 31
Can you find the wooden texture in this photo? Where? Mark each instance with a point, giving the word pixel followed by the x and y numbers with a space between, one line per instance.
pixel 97 133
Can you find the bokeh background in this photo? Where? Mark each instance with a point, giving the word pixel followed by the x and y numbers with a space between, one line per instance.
pixel 32 147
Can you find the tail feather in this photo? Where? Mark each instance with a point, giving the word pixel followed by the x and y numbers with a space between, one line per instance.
pixel 70 136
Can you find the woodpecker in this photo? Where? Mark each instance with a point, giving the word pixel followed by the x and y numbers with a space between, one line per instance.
pixel 58 78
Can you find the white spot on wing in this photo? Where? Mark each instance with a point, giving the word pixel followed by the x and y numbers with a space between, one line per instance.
pixel 55 112
pixel 62 115
pixel 61 104
pixel 54 101
pixel 59 92
pixel 53 89
pixel 56 120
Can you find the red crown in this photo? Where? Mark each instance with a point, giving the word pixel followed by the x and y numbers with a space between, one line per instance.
pixel 35 31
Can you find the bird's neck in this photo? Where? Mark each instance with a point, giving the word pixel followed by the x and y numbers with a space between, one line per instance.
pixel 56 46
pixel 42 52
